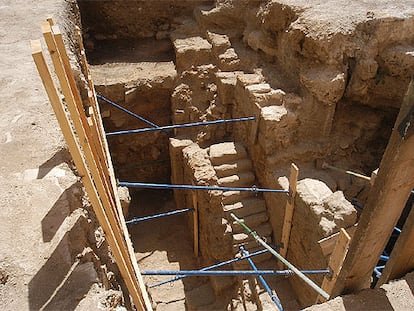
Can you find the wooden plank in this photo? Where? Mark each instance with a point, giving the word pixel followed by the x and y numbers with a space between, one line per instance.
pixel 74 103
pixel 335 263
pixel 92 97
pixel 99 124
pixel 328 244
pixel 50 21
pixel 81 166
pixel 75 107
pixel 386 200
pixel 195 223
pixel 290 206
pixel 81 130
pixel 91 132
pixel 402 256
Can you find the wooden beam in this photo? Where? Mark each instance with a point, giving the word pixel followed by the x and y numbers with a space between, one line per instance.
pixel 195 223
pixel 402 256
pixel 385 203
pixel 79 160
pixel 335 263
pixel 98 124
pixel 75 107
pixel 92 131
pixel 83 131
pixel 328 244
pixel 290 206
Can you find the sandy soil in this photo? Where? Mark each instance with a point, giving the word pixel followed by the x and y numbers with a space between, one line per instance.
pixel 39 192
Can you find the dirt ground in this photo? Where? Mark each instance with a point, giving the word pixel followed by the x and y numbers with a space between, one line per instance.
pixel 40 196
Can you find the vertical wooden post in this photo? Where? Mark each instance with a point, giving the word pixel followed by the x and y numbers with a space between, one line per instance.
pixel 290 206
pixel 195 222
pixel 335 263
pixel 402 256
pixel 385 203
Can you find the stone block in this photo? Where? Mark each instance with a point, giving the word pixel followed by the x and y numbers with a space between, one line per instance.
pixel 192 51
pixel 229 60
pixel 226 152
pixel 226 82
pixel 219 42
pixel 243 179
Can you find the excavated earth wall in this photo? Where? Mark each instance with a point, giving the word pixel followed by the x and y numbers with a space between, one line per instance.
pixel 324 80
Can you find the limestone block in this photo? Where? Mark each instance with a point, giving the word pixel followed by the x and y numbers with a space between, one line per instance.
pixel 343 212
pixel 329 211
pixel 246 79
pixel 243 179
pixel 125 199
pixel 232 168
pixel 274 113
pixel 229 60
pixel 264 95
pixel 192 51
pixel 313 192
pixel 275 128
pixel 219 42
pixel 226 152
pixel 259 88
pixel 199 162
pixel 226 83
pixel 325 84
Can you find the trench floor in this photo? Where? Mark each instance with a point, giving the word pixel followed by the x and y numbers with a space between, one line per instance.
pixel 166 244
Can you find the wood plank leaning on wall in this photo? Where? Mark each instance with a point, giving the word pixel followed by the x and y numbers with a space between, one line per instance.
pixel 90 158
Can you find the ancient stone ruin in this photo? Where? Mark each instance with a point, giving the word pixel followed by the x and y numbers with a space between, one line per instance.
pixel 210 108
pixel 324 91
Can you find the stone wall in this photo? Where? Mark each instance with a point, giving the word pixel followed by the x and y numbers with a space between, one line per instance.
pixel 137 157
pixel 191 165
pixel 318 213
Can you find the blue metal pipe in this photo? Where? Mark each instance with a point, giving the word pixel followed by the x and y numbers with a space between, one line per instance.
pixel 377 271
pixel 108 101
pixel 194 187
pixel 178 126
pixel 218 265
pixel 384 258
pixel 229 272
pixel 272 295
pixel 171 213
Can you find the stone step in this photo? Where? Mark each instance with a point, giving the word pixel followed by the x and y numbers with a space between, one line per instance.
pixel 252 221
pixel 231 197
pixel 233 168
pixel 243 179
pixel 227 152
pixel 264 230
pixel 246 207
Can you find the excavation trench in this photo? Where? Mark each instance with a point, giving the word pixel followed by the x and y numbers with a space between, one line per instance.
pixel 192 68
